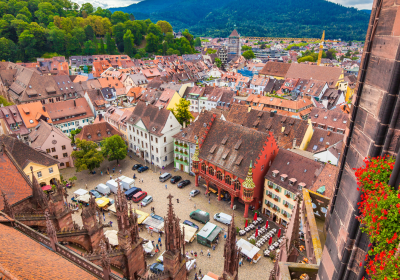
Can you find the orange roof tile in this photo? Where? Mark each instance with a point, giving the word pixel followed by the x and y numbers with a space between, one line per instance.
pixel 110 82
pixel 32 113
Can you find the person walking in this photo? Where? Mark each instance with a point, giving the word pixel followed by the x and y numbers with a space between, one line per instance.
pixel 160 245
pixel 209 201
pixel 157 247
pixel 86 186
pixel 101 172
pixel 190 197
pixel 240 262
pixel 209 255
pixel 191 252
pixel 201 252
pixel 177 200
pixel 110 177
pixel 159 239
pixel 151 233
pixel 195 276
pixel 111 223
pixel 225 235
pixel 166 187
pixel 200 272
pixel 120 171
pixel 114 170
pixel 195 206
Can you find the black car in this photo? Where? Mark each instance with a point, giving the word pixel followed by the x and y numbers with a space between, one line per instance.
pixel 136 166
pixel 175 179
pixel 183 183
pixel 142 169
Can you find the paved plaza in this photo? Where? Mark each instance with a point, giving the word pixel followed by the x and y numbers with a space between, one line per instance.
pixel 159 192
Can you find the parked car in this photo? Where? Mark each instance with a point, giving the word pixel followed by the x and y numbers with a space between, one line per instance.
pixel 154 216
pixel 223 218
pixel 189 223
pixel 175 179
pixel 139 196
pixel 95 194
pixel 147 200
pixel 194 193
pixel 183 183
pixel 136 166
pixel 156 268
pixel 164 177
pixel 142 169
pixel 200 215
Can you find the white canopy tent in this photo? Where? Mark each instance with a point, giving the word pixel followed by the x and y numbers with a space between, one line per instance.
pixel 148 247
pixel 190 232
pixel 112 237
pixel 84 198
pixel 80 192
pixel 247 248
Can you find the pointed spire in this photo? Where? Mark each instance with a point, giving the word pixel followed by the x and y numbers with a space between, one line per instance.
pixel 195 156
pixel 38 193
pixel 105 260
pixel 231 253
pixel 7 207
pixel 50 230
pixel 249 183
pixel 173 238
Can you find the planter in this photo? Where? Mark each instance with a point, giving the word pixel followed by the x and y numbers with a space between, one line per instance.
pixel 285 215
pixel 270 186
pixel 270 195
pixel 288 196
pixel 286 205
pixel 277 190
pixel 275 199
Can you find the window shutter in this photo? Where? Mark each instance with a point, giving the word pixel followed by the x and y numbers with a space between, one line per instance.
pixel 279 199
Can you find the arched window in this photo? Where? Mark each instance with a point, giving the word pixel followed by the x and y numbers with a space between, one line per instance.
pixel 211 171
pixel 237 185
pixel 228 179
pixel 203 167
pixel 219 175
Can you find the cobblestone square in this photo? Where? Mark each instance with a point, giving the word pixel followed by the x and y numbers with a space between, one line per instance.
pixel 159 192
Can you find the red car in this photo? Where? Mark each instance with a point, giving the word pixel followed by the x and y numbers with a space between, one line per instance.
pixel 139 196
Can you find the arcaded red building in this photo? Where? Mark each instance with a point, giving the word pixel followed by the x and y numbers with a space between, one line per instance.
pixel 227 151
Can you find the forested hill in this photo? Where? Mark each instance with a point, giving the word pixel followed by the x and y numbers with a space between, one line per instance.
pixel 284 18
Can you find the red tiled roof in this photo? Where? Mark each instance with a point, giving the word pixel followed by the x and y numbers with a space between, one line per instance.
pixel 277 69
pixel 97 132
pixel 23 258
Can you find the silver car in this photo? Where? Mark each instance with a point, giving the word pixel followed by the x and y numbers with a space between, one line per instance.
pixel 146 201
pixel 193 193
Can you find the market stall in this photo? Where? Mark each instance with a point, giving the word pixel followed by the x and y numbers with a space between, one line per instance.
pixel 248 249
pixel 102 202
pixel 190 232
pixel 112 237
pixel 154 224
pixel 80 192
pixel 83 198
pixel 208 234
pixel 140 214
pixel 148 248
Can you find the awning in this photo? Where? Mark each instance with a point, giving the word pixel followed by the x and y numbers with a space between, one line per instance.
pixel 102 201
pixel 148 247
pixel 80 192
pixel 247 248
pixel 140 214
pixel 190 232
pixel 46 188
pixel 112 237
pixel 83 198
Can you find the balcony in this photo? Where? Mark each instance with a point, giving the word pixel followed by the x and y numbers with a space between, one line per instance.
pixel 182 145
pixel 177 159
pixel 183 153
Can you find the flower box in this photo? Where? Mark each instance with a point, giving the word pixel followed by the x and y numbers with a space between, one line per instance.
pixel 277 190
pixel 275 198
pixel 270 195
pixel 287 195
pixel 286 205
pixel 285 215
pixel 270 186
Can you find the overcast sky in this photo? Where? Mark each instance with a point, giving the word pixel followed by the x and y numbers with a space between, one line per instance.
pixel 359 4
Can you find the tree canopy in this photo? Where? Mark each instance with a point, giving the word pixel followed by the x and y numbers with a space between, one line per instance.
pixel 248 54
pixel 182 113
pixel 86 157
pixel 114 148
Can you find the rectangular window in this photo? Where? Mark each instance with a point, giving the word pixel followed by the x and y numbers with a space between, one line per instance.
pixel 165 139
pixel 39 174
pixel 141 133
pixel 156 140
pixel 65 155
pixel 47 150
pixel 165 158
pixel 165 149
pixel 145 135
pixel 157 150
pixel 146 145
pixel 63 147
pixel 53 149
pixel 51 170
pixel 152 138
pixel 152 148
pixel 56 156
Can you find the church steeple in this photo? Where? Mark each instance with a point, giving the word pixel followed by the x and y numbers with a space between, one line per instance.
pixel 173 240
pixel 231 254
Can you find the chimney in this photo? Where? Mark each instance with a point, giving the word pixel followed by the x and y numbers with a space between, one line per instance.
pixel 326 145
pixel 294 143
pixel 329 133
pixel 74 103
pixel 44 109
pixel 100 117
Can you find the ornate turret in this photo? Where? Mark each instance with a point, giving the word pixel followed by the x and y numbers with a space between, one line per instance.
pixel 7 207
pixel 196 163
pixel 51 231
pixel 121 207
pixel 231 254
pixel 38 195
pixel 248 190
pixel 105 261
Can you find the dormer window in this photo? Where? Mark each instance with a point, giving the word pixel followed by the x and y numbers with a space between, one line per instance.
pixel 108 132
pixel 98 134
pixel 301 186
pixel 292 181
pixel 275 173
pixel 283 177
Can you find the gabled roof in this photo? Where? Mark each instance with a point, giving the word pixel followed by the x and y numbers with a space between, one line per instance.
pixel 219 147
pixel 153 118
pixel 69 108
pixel 335 118
pixel 322 73
pixel 196 128
pixel 32 113
pixel 277 69
pixel 97 132
pixel 322 139
pixel 42 131
pixel 234 33
pixel 24 154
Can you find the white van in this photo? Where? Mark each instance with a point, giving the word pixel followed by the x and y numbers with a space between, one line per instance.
pixel 126 182
pixel 223 218
pixel 103 189
pixel 113 186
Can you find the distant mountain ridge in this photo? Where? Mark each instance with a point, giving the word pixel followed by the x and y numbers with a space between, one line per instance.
pixel 283 18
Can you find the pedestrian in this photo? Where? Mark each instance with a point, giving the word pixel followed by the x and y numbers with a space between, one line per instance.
pixel 209 255
pixel 159 239
pixel 201 252
pixel 177 200
pixel 141 206
pixel 111 223
pixel 151 233
pixel 101 172
pixel 109 215
pixel 195 267
pixel 213 247
pixel 200 272
pixel 86 186
pixel 195 206
pixel 160 172
pixel 110 177
pixel 120 171
pixel 209 201
pixel 157 247
pixel 108 169
pixel 160 245
pixel 191 252
pixel 165 186
pixel 225 235
pixel 152 242
pixel 195 254
pixel 190 197
pixel 114 170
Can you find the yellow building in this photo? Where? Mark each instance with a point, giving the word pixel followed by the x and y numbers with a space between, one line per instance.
pixel 44 166
pixel 307 137
pixel 174 101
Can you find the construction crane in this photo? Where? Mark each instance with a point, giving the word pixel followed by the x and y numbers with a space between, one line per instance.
pixel 321 46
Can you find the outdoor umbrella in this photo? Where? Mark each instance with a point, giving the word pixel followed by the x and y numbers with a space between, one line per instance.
pixel 266 225
pixel 256 232
pixel 270 241
pixel 255 217
pixel 247 221
pixel 279 233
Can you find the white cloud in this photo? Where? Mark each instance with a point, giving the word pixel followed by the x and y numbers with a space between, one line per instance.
pixel 359 4
pixel 108 3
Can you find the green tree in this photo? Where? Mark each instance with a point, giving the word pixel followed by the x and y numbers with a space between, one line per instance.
pixel 88 8
pixel 263 46
pixel 211 51
pixel 114 148
pixel 27 43
pixel 89 32
pixel 102 48
pixel 110 44
pixel 25 11
pixel 218 62
pixel 79 34
pixel 165 26
pixel 142 52
pixel 248 55
pixel 119 32
pixel 73 134
pixel 119 17
pixel 89 48
pixel 151 43
pixel 4 101
pixel 128 43
pixel 155 29
pixel 86 157
pixel 8 50
pixel 188 36
pixel 138 56
pixel 306 58
pixel 246 48
pixel 73 46
pixel 45 10
pixel 169 38
pixel 197 42
pixel 57 38
pixel 182 113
